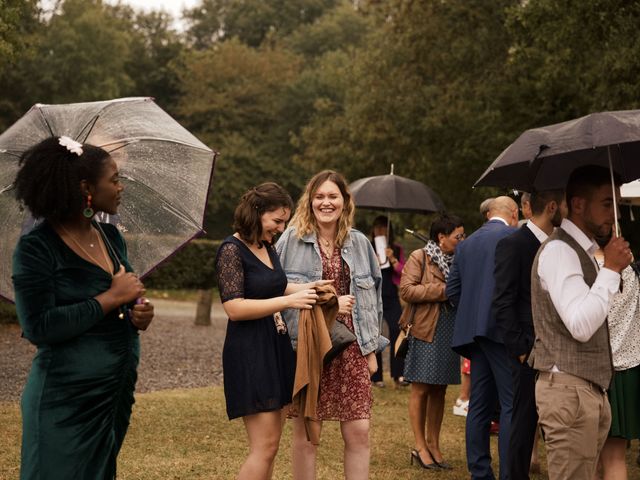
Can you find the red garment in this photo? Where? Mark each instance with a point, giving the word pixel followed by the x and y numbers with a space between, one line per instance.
pixel 345 385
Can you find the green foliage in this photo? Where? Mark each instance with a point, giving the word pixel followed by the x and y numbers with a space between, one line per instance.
pixel 338 29
pixel 18 26
pixel 84 50
pixel 418 96
pixel 250 21
pixel 238 100
pixel 570 58
pixel 284 88
pixel 81 55
pixel 8 312
pixel 154 50
pixel 191 268
pixel 15 21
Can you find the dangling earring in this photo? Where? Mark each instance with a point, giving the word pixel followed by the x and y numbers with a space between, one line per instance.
pixel 88 211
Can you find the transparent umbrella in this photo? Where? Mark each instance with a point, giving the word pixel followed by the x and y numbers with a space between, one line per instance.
pixel 166 172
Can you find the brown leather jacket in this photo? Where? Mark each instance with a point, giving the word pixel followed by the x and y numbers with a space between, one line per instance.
pixel 422 295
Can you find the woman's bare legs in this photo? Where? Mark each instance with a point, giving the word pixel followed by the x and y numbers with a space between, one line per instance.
pixel 418 400
pixel 355 434
pixel 435 413
pixel 264 431
pixel 303 452
pixel 614 466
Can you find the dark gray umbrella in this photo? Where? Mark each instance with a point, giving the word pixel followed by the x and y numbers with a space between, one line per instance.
pixel 543 158
pixel 395 194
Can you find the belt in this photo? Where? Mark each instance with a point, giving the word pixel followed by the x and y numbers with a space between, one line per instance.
pixel 564 378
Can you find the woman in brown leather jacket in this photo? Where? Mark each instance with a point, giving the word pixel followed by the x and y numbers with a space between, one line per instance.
pixel 430 364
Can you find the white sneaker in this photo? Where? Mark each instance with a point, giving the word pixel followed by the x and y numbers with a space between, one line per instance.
pixel 461 408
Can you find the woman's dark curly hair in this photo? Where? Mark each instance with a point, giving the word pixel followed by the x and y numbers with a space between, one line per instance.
pixel 266 197
pixel 48 181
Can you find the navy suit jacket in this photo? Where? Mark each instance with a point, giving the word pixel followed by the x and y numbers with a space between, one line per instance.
pixel 512 295
pixel 471 284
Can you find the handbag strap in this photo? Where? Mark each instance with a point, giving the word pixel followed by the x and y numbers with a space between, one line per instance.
pixel 422 267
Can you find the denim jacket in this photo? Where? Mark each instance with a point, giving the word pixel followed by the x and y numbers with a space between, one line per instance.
pixel 302 263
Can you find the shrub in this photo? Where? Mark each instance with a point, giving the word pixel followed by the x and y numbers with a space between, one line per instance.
pixel 190 268
pixel 8 312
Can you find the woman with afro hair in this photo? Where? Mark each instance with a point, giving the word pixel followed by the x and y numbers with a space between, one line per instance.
pixel 76 300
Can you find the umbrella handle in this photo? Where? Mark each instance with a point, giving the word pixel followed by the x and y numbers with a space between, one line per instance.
pixel 417 235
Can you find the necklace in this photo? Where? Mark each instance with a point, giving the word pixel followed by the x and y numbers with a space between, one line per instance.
pixel 326 246
pixel 325 242
pixel 93 259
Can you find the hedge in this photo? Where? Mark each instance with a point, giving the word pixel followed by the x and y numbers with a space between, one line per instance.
pixel 190 268
pixel 8 312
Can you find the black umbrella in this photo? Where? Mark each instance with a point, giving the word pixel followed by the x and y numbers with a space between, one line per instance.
pixel 543 158
pixel 395 193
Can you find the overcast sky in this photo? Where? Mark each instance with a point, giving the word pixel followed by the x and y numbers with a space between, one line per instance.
pixel 174 7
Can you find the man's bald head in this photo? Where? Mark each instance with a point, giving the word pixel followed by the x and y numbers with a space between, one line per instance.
pixel 505 208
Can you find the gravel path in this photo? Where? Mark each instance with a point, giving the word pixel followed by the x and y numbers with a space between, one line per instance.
pixel 175 352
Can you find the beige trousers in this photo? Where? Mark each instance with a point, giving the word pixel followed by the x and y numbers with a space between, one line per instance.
pixel 575 417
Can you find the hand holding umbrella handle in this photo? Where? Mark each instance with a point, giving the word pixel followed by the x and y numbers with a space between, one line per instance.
pixel 142 313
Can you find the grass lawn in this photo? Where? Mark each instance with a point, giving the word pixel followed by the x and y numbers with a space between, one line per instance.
pixel 185 435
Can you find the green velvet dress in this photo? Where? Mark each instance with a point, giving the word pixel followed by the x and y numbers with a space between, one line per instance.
pixel 78 397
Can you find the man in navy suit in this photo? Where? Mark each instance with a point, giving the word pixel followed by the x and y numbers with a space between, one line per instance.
pixel 512 312
pixel 476 336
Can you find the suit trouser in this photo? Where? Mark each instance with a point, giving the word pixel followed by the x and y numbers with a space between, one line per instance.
pixel 391 314
pixel 575 417
pixel 524 419
pixel 490 382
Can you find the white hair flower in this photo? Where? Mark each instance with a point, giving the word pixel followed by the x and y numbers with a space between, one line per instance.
pixel 71 144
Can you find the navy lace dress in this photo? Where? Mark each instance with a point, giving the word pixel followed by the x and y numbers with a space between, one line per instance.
pixel 258 362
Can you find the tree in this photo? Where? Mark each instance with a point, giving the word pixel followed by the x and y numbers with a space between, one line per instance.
pixel 153 52
pixel 80 56
pixel 419 95
pixel 251 21
pixel 17 19
pixel 571 58
pixel 235 99
pixel 19 22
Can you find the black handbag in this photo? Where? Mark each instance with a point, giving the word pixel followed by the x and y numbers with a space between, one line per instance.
pixel 341 336
pixel 401 347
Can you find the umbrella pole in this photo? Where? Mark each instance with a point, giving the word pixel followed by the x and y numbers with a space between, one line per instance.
pixel 388 224
pixel 613 190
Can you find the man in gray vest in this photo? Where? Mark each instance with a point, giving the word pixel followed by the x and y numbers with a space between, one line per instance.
pixel 570 300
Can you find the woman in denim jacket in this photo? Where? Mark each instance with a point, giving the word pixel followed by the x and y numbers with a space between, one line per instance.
pixel 320 244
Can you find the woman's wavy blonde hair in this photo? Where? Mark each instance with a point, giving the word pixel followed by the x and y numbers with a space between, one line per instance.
pixel 304 220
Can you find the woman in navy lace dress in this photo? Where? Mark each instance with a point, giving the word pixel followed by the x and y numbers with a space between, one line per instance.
pixel 257 360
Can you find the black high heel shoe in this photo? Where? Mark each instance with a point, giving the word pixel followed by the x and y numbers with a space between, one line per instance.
pixel 415 456
pixel 443 465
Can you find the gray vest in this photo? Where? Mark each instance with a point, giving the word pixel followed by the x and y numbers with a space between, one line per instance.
pixel 554 344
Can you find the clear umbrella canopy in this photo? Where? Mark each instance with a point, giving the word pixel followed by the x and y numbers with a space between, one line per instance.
pixel 166 172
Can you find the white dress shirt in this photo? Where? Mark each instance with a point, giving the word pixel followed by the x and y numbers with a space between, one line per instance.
pixel 583 310
pixel 499 218
pixel 537 231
